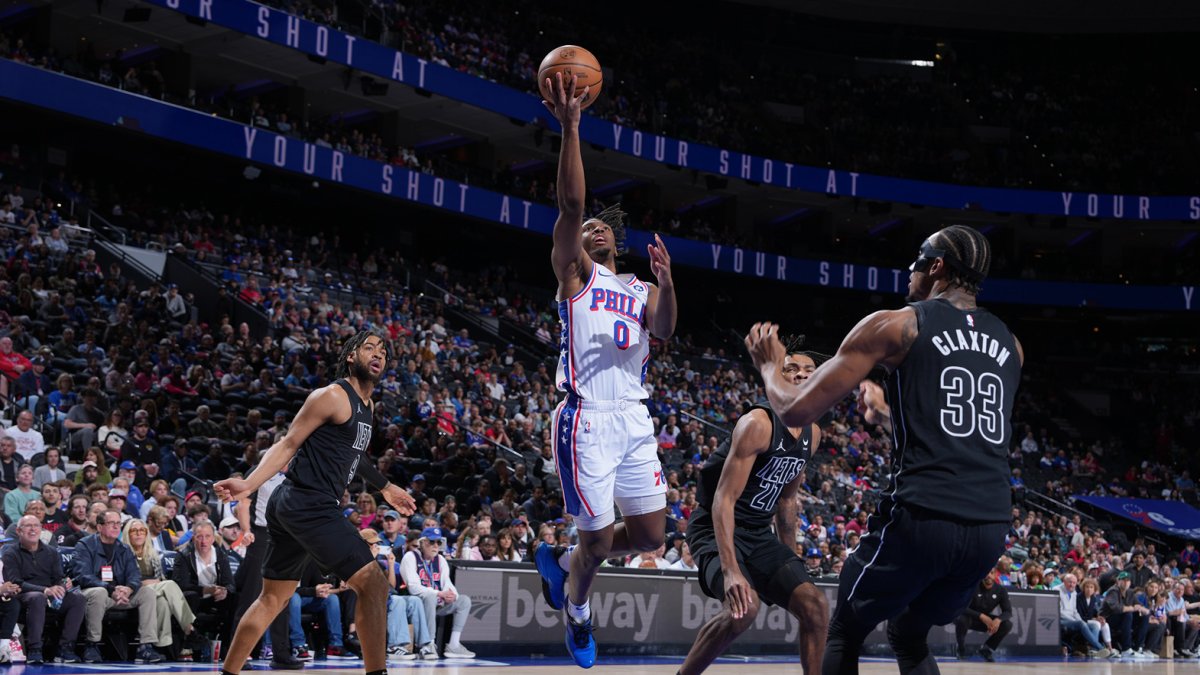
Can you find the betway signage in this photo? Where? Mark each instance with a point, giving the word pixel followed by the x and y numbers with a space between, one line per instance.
pixel 636 611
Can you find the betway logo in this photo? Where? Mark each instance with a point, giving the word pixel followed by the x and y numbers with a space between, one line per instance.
pixel 699 608
pixel 633 611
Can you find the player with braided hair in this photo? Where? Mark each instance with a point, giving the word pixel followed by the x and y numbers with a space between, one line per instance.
pixel 322 450
pixel 746 486
pixel 952 373
pixel 604 445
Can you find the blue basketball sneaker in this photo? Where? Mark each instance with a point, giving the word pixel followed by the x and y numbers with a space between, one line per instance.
pixel 554 579
pixel 580 642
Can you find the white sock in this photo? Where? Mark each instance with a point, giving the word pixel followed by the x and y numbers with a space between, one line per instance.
pixel 579 613
pixel 455 636
pixel 564 560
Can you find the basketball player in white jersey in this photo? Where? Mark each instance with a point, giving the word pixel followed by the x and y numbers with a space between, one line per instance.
pixel 604 444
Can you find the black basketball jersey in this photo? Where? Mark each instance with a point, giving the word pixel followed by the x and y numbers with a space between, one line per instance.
pixel 327 460
pixel 772 470
pixel 951 401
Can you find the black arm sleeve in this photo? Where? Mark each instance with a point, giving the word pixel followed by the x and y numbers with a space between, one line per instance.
pixel 368 472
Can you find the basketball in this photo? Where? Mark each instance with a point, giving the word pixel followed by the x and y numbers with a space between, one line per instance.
pixel 569 59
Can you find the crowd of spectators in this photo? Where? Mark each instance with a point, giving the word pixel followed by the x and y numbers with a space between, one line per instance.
pixel 1061 130
pixel 122 397
pixel 849 101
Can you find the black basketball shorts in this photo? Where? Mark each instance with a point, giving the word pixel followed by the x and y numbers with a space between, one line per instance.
pixel 773 569
pixel 307 523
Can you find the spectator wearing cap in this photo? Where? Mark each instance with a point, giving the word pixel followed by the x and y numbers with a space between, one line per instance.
pixel 17 498
pixel 521 532
pixel 178 462
pixel 29 441
pixel 33 386
pixel 813 563
pixel 392 528
pixel 403 608
pixel 127 470
pixel 231 533
pixel 176 307
pixel 52 470
pixel 417 489
pixel 427 575
pixel 140 448
pixel 1128 618
pixel 118 500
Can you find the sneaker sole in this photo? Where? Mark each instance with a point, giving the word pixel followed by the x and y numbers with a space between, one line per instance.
pixel 540 563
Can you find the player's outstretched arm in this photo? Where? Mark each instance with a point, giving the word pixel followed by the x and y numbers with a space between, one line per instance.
pixel 883 338
pixel 751 436
pixel 568 256
pixel 327 404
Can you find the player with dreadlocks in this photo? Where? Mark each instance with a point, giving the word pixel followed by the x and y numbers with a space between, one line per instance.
pixel 322 451
pixel 604 445
pixel 749 483
pixel 952 375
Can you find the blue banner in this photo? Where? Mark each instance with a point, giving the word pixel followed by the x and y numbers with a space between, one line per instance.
pixel 109 106
pixel 290 31
pixel 1174 518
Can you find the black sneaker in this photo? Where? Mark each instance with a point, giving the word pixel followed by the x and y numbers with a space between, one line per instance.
pixel 301 652
pixel 91 653
pixel 148 654
pixel 66 654
pixel 961 652
pixel 286 663
pixel 34 657
pixel 987 654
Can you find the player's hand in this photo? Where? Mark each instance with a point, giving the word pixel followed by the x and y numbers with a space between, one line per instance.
pixel 400 499
pixel 660 261
pixel 764 346
pixel 232 489
pixel 872 403
pixel 737 593
pixel 563 103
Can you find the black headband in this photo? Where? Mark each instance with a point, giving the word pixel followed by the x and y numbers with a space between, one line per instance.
pixel 928 252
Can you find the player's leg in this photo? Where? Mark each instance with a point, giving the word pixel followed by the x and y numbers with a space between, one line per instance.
pixel 371 614
pixel 283 562
pixel 641 485
pixel 879 578
pixel 716 635
pixel 271 600
pixel 808 605
pixel 973 551
pixel 780 577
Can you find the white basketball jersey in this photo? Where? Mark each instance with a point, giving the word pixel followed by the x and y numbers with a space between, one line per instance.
pixel 605 344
